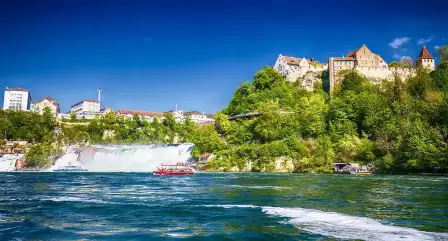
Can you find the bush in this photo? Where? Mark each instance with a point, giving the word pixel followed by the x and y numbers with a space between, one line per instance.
pixel 38 155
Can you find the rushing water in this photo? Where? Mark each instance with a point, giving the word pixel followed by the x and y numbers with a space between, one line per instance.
pixel 125 158
pixel 113 158
pixel 232 206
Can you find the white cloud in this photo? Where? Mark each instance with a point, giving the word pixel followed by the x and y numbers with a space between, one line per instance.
pixel 424 40
pixel 437 47
pixel 397 42
pixel 408 58
pixel 397 56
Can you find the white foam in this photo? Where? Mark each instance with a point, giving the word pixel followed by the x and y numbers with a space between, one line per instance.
pixel 230 206
pixel 125 158
pixel 8 161
pixel 343 226
pixel 74 199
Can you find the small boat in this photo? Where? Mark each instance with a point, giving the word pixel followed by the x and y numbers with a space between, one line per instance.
pixel 70 168
pixel 174 169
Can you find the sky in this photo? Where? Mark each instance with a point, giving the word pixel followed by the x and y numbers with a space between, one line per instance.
pixel 151 55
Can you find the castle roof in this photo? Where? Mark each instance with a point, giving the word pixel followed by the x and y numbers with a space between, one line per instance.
pixel 424 53
pixel 353 53
pixel 49 99
pixel 294 61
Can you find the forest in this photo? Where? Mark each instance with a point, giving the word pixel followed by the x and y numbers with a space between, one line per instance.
pixel 398 126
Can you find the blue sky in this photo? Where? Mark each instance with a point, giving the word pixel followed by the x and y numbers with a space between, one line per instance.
pixel 151 55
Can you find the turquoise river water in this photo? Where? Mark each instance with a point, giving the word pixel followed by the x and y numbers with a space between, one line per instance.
pixel 222 206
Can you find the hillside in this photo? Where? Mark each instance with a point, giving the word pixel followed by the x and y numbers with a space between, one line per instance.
pixel 397 127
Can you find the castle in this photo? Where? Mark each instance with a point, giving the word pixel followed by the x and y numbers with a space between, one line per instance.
pixel 293 68
pixel 362 60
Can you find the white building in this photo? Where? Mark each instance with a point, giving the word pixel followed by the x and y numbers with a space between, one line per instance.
pixel 147 115
pixel 105 110
pixel 199 117
pixel 86 109
pixel 292 68
pixel 425 59
pixel 40 105
pixel 17 99
pixel 178 115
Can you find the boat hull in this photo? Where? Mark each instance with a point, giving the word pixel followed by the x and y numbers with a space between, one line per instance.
pixel 165 173
pixel 68 170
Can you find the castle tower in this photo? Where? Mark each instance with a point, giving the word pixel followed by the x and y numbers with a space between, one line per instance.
pixel 425 59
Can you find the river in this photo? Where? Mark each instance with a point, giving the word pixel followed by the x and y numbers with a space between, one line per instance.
pixel 222 206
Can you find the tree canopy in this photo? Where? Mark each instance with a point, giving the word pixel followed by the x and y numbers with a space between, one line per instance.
pixel 399 126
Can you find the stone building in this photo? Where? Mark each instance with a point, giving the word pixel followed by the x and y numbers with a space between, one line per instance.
pixel 363 57
pixel 294 68
pixel 373 65
pixel 40 105
pixel 425 59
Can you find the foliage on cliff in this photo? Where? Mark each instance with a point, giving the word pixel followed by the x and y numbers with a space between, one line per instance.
pixel 399 126
pixel 30 126
pixel 115 129
pixel 39 155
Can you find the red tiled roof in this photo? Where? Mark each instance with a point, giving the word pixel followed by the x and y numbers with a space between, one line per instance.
pixel 424 53
pixel 295 61
pixel 137 112
pixel 49 99
pixel 353 53
pixel 17 89
pixel 292 60
pixel 345 58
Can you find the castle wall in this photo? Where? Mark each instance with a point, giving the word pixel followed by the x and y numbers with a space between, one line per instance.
pixel 379 73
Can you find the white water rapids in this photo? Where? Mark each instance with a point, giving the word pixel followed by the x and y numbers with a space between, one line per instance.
pixel 8 162
pixel 115 158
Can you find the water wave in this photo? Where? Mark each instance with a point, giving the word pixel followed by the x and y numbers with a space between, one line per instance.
pixel 343 226
pixel 230 206
pixel 75 199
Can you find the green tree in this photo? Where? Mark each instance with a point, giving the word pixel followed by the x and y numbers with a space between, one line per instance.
pixel 72 116
pixel 440 75
pixel 38 155
pixel 443 53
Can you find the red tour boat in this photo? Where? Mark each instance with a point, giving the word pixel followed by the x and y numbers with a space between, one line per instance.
pixel 174 169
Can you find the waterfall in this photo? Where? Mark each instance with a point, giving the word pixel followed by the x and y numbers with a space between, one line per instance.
pixel 8 162
pixel 125 158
